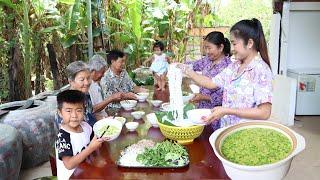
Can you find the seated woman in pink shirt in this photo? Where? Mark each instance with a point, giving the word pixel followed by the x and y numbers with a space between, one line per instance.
pixel 247 82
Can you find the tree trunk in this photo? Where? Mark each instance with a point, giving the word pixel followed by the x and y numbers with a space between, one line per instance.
pixel 16 75
pixel 72 53
pixel 79 53
pixel 38 64
pixel 54 67
pixel 15 59
pixel 61 57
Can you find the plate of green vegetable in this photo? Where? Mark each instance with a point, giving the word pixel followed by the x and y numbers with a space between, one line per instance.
pixel 147 154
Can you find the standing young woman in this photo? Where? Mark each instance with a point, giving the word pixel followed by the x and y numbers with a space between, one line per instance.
pixel 247 82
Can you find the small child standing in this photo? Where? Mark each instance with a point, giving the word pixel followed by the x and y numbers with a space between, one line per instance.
pixel 159 66
pixel 75 140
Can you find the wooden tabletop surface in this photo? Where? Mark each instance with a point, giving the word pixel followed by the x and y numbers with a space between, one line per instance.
pixel 101 165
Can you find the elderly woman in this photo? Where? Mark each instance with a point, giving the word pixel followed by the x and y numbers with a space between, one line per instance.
pixel 79 79
pixel 116 79
pixel 97 65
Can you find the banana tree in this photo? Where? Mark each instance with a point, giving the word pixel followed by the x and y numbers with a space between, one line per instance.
pixel 128 31
pixel 13 56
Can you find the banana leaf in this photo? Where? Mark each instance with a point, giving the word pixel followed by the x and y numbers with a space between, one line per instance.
pixel 165 117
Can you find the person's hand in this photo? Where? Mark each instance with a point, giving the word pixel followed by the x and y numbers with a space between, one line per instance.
pixel 130 95
pixel 117 96
pixel 142 89
pixel 95 143
pixel 198 97
pixel 185 69
pixel 217 113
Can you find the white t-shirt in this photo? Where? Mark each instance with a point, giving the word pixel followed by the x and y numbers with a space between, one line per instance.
pixel 70 144
pixel 96 95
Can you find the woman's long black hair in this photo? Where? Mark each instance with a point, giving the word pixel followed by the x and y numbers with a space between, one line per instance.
pixel 252 29
pixel 217 38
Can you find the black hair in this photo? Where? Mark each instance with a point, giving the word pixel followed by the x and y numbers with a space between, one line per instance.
pixel 70 96
pixel 217 38
pixel 158 44
pixel 252 29
pixel 114 55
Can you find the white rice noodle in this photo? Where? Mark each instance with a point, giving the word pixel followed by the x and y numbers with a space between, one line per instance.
pixel 176 101
pixel 129 155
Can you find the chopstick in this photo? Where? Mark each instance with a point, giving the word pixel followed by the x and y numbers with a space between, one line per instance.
pixel 104 131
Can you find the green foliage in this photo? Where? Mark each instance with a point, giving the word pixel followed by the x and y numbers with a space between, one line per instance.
pixel 7 3
pixel 237 10
pixel 49 85
pixel 131 25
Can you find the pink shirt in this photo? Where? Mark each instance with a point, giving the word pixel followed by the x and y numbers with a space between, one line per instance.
pixel 246 90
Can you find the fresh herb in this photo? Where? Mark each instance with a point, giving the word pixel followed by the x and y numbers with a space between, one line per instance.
pixel 164 154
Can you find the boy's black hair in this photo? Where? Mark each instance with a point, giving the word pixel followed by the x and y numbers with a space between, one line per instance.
pixel 70 96
pixel 158 44
pixel 114 55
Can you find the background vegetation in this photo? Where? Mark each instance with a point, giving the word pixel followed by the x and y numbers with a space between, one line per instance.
pixel 39 38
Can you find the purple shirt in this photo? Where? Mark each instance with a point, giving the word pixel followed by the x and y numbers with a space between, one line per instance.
pixel 247 89
pixel 206 66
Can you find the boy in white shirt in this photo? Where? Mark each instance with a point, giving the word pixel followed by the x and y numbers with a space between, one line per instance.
pixel 75 140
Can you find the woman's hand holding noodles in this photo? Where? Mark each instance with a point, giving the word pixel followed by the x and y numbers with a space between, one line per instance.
pixel 185 69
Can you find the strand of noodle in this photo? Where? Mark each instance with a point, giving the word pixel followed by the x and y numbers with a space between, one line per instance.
pixel 175 81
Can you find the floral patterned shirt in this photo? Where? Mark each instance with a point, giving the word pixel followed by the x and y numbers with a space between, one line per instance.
pixel 248 89
pixel 206 66
pixel 112 83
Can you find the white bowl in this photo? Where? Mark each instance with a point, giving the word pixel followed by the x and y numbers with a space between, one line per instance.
pixel 121 119
pixel 195 115
pixel 131 126
pixel 187 98
pixel 165 107
pixel 138 114
pixel 142 96
pixel 272 171
pixel 156 103
pixel 128 104
pixel 107 122
pixel 152 118
pixel 194 88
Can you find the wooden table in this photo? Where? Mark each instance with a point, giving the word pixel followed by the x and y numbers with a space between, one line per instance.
pixel 203 162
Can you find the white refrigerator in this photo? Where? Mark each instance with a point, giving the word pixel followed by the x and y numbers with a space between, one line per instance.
pixel 296 55
pixel 308 90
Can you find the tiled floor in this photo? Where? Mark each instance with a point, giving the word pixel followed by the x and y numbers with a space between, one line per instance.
pixel 304 166
pixel 307 164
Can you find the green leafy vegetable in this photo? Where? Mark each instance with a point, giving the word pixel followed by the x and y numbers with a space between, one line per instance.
pixel 164 154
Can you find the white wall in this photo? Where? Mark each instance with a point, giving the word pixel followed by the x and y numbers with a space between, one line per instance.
pixel 300 36
pixel 304 39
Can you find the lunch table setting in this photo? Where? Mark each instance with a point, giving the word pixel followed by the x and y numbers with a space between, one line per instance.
pixel 143 143
pixel 193 157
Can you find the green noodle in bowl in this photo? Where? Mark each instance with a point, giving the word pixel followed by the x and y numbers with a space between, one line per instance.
pixel 110 126
pixel 256 149
pixel 256 146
